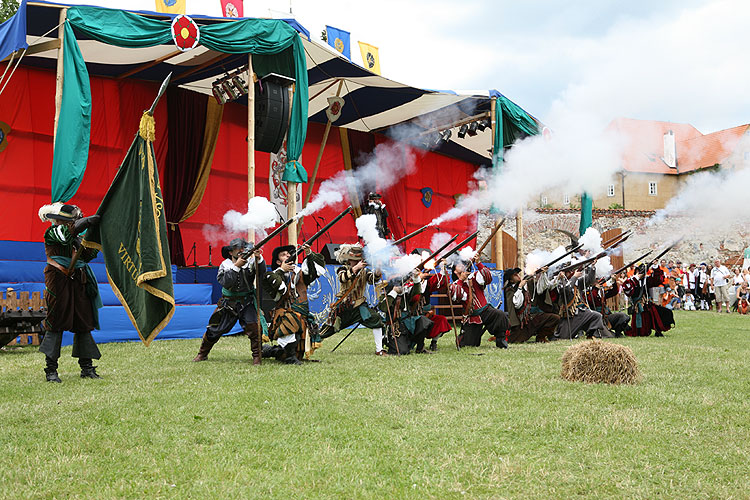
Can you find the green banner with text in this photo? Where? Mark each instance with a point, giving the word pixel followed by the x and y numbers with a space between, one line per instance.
pixel 132 235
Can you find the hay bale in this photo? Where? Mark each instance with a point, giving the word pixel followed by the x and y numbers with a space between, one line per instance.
pixel 595 361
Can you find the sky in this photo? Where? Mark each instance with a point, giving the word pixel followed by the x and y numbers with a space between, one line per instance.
pixel 671 60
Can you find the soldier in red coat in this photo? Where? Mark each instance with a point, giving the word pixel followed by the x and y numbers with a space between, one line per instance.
pixel 468 289
pixel 645 315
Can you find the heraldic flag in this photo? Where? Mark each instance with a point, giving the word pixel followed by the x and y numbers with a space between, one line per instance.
pixel 170 6
pixel 370 57
pixel 339 40
pixel 132 235
pixel 232 8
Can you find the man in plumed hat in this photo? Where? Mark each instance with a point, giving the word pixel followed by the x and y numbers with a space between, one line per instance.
pixel 351 306
pixel 293 327
pixel 72 297
pixel 236 276
pixel 525 317
pixel 376 206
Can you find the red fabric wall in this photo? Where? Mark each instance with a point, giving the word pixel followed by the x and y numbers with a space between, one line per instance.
pixel 27 105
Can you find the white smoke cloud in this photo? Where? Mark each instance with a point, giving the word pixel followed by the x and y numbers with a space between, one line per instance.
pixel 438 240
pixel 389 163
pixel 538 258
pixel 381 253
pixel 261 214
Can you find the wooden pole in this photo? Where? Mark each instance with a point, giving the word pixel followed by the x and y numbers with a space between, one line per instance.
pixel 353 195
pixel 320 153
pixel 519 238
pixel 60 75
pixel 250 139
pixel 291 197
pixel 317 162
pixel 498 242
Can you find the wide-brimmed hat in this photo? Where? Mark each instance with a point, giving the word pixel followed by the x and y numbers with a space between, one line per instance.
pixel 277 251
pixel 348 252
pixel 374 196
pixel 60 212
pixel 509 273
pixel 239 243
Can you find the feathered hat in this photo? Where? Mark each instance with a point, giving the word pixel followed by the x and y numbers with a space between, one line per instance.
pixel 59 212
pixel 347 252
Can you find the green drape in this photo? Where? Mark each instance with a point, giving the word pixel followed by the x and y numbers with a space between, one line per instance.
pixel 124 29
pixel 511 123
pixel 587 205
pixel 74 124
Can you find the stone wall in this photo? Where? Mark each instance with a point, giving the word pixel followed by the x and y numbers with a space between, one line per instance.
pixel 546 229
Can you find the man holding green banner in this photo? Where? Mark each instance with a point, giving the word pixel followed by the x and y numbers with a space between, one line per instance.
pixel 132 236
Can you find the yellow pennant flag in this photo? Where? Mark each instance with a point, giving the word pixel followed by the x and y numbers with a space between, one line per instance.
pixel 170 6
pixel 370 57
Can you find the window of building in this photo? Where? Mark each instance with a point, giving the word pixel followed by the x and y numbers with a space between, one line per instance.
pixel 611 190
pixel 566 200
pixel 747 155
pixel 652 189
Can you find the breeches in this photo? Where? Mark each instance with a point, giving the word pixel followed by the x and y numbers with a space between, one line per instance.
pixel 226 315
pixel 84 345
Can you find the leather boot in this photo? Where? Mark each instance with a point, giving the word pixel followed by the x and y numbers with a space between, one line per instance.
pixel 88 370
pixel 290 354
pixel 51 370
pixel 255 345
pixel 205 348
pixel 433 344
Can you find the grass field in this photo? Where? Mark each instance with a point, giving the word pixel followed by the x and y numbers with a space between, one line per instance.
pixel 482 423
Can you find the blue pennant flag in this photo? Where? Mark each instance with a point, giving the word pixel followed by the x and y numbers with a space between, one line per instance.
pixel 13 33
pixel 339 40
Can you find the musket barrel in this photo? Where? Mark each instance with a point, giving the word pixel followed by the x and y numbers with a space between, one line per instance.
pixel 273 234
pixel 411 235
pixel 436 253
pixel 321 232
pixel 457 247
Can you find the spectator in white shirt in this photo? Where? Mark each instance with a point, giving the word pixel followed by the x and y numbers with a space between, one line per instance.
pixel 720 276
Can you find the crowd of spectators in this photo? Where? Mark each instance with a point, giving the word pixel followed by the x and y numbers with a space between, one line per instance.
pixel 703 287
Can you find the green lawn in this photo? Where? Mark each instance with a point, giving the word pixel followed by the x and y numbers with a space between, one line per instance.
pixel 482 423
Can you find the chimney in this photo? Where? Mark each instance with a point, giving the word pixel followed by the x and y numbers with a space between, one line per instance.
pixel 670 150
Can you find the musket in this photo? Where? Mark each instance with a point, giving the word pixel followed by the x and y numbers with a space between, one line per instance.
pixel 670 247
pixel 601 254
pixel 457 248
pixel 576 265
pixel 554 261
pixel 492 234
pixel 320 233
pixel 411 235
pixel 251 248
pixel 614 241
pixel 436 253
pixel 623 268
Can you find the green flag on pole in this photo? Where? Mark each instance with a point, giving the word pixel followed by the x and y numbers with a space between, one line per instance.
pixel 132 235
pixel 587 205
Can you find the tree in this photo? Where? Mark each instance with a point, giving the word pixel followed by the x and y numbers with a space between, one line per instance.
pixel 7 9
